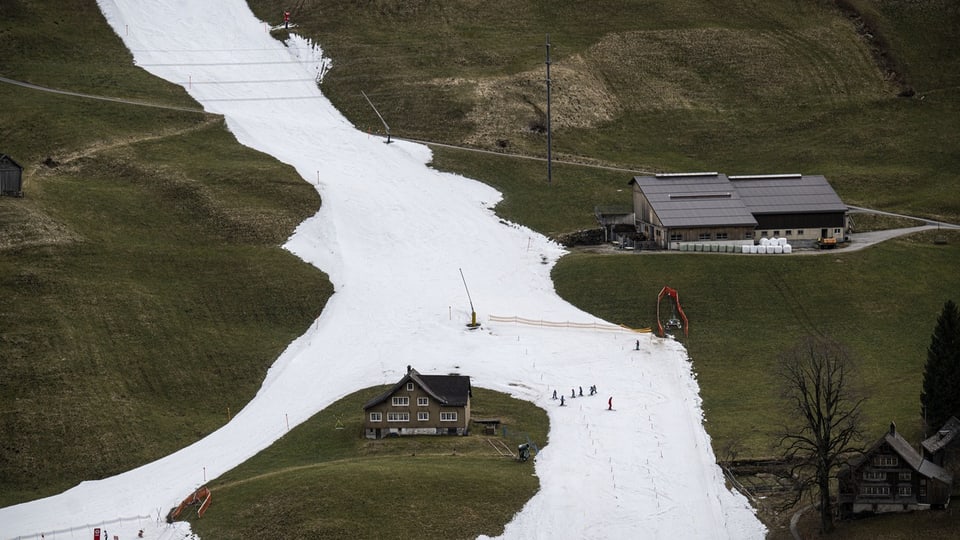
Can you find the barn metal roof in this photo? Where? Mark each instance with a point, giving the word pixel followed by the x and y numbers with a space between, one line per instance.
pixel 695 200
pixel 787 194
pixel 712 199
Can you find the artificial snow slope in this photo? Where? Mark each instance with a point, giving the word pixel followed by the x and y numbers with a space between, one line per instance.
pixel 393 235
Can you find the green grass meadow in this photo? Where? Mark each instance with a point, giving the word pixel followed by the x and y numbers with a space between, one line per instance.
pixel 144 293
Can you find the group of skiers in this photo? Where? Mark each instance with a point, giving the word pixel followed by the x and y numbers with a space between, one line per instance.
pixel 573 395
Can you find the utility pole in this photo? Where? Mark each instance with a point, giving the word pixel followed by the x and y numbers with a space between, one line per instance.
pixel 549 157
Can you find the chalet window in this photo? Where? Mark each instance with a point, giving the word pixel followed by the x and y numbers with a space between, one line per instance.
pixel 423 416
pixel 423 402
pixel 376 417
pixel 874 475
pixel 409 387
pixel 875 490
pixel 763 234
pixel 748 235
pixel 401 401
pixel 722 236
pixel 788 232
pixel 676 237
pixel 885 461
pixel 398 417
pixel 836 231
pixel 904 491
pixel 704 236
pixel 800 232
pixel 776 233
pixel 905 476
pixel 448 417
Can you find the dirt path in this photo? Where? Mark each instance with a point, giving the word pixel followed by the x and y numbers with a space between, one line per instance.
pixel 52 163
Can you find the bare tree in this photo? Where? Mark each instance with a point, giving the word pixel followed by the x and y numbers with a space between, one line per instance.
pixel 818 379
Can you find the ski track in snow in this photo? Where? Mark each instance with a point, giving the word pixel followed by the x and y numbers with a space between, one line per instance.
pixel 393 234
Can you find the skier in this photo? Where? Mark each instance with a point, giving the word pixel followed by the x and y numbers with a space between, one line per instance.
pixel 561 401
pixel 638 345
pixel 581 390
pixel 573 393
pixel 286 19
pixel 554 394
pixel 610 404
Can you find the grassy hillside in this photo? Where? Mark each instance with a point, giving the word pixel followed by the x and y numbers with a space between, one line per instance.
pixel 143 293
pixel 738 87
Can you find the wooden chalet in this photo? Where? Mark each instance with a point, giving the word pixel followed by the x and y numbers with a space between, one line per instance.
pixel 943 448
pixel 420 405
pixel 11 177
pixel 892 477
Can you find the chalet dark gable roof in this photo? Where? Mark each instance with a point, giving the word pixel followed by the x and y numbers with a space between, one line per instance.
pixel 911 457
pixel 944 436
pixel 450 390
pixel 4 158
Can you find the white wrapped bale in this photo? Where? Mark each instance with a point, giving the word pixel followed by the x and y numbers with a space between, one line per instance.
pixel 787 248
pixel 778 248
pixel 754 249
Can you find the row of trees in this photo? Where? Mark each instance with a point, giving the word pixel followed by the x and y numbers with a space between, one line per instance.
pixel 819 378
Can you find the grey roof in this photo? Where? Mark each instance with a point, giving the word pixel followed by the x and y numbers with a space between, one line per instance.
pixel 944 436
pixel 913 458
pixel 695 200
pixel 450 390
pixel 713 199
pixel 787 194
pixel 4 158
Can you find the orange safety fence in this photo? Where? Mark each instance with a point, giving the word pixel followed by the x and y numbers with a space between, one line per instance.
pixel 568 324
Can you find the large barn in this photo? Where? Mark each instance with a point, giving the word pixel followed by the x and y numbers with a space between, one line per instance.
pixel 676 208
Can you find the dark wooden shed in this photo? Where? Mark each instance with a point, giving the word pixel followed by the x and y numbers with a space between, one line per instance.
pixel 11 177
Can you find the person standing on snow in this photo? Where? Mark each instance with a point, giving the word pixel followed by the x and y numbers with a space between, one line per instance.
pixel 610 404
pixel 286 19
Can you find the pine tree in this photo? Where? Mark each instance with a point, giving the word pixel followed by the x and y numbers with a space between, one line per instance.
pixel 940 398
